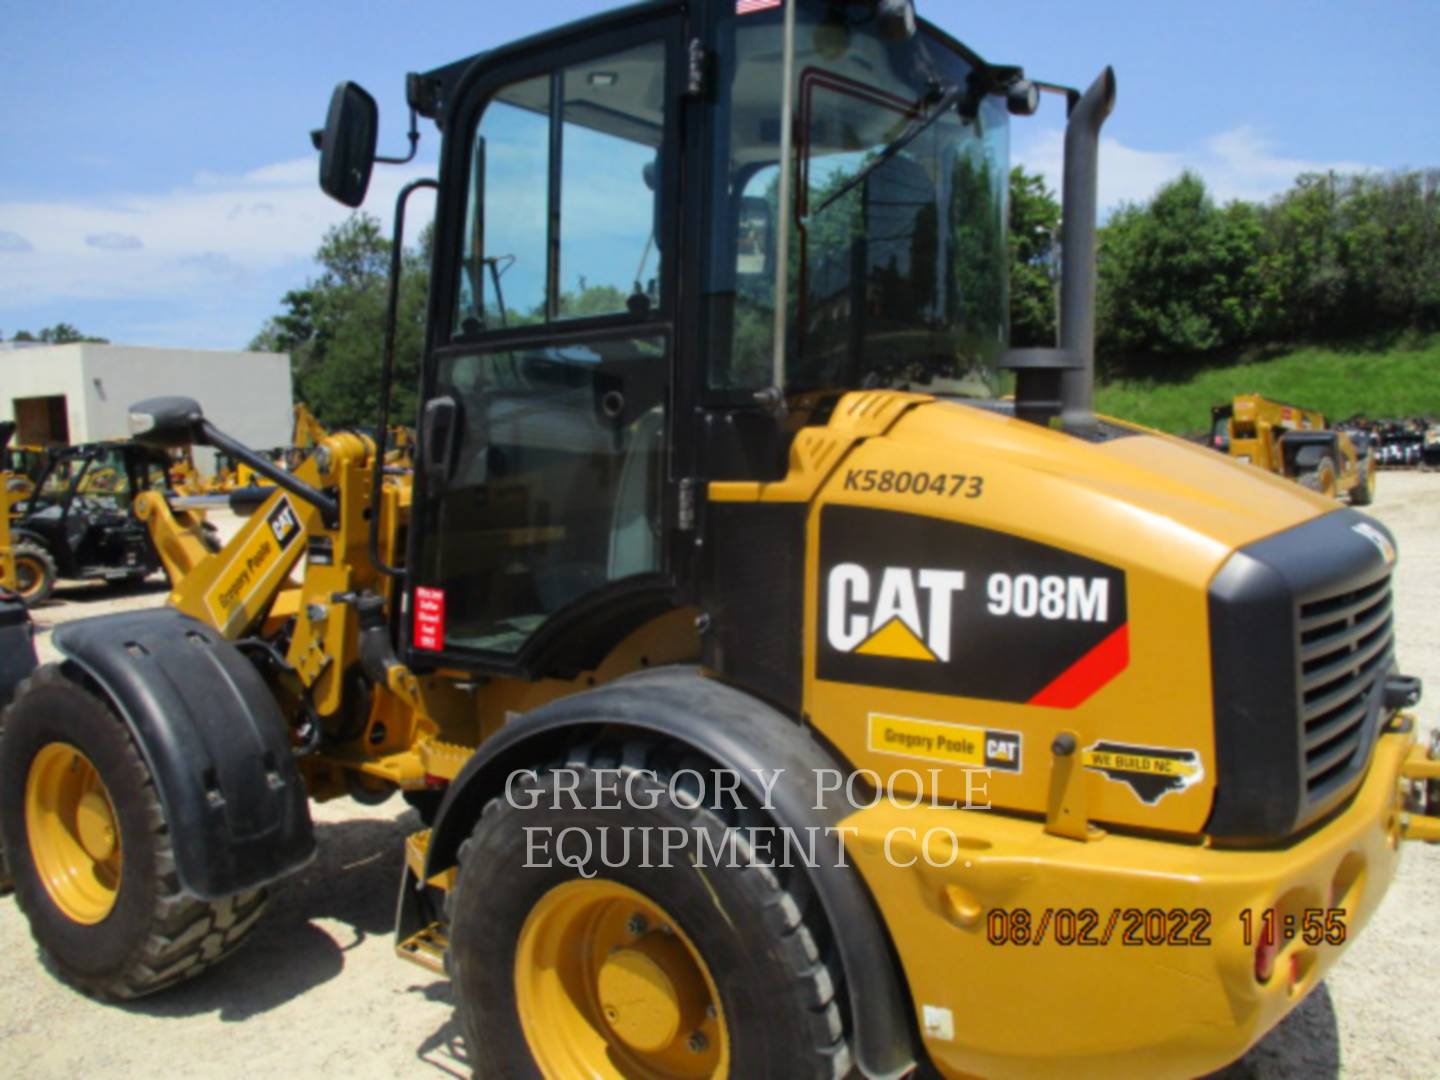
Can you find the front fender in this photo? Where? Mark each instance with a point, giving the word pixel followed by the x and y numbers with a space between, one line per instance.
pixel 740 733
pixel 214 739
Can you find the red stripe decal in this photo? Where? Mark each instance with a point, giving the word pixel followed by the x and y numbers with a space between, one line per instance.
pixel 1080 680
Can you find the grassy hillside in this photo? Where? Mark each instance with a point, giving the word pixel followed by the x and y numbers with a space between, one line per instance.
pixel 1398 382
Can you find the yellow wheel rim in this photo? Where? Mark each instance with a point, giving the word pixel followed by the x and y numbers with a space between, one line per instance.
pixel 609 987
pixel 29 576
pixel 1328 483
pixel 73 832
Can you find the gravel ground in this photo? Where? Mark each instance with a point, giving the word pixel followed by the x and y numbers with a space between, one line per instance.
pixel 317 991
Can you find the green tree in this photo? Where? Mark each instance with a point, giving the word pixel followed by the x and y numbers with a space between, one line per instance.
pixel 60 334
pixel 1179 275
pixel 333 327
pixel 1034 227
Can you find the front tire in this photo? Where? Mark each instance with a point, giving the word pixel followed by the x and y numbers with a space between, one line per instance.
pixel 90 851
pixel 619 974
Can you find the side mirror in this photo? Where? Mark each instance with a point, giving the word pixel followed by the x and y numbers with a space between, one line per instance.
pixel 347 146
pixel 896 19
pixel 756 238
pixel 167 421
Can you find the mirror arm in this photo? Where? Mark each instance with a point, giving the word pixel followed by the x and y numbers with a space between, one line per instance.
pixel 414 136
pixel 387 366
pixel 213 436
pixel 1069 93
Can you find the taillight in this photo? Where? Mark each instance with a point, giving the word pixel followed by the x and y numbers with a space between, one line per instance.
pixel 1266 950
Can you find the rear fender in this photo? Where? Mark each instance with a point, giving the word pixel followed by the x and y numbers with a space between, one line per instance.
pixel 214 739
pixel 740 733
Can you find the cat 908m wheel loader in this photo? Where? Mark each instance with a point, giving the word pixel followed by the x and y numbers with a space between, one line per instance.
pixel 778 697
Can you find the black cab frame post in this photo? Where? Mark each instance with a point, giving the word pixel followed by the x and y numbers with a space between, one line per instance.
pixel 387 369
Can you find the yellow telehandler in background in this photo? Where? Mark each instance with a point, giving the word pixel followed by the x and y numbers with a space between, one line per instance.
pixel 1295 443
pixel 779 699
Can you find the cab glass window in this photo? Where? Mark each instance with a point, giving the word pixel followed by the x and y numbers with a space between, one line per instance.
pixel 564 200
pixel 557 487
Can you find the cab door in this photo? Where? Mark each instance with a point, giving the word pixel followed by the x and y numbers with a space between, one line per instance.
pixel 539 530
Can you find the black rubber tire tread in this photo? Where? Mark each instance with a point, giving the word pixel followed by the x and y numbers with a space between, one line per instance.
pixel 808 1031
pixel 49 573
pixel 1360 494
pixel 169 936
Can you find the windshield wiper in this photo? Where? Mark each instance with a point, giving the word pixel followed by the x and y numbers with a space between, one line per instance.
pixel 948 100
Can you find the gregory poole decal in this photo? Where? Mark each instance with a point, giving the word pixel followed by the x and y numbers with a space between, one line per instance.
pixel 918 603
pixel 250 567
pixel 952 744
pixel 1151 772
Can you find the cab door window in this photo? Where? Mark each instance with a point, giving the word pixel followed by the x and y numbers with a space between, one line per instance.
pixel 558 369
pixel 557 488
pixel 564 198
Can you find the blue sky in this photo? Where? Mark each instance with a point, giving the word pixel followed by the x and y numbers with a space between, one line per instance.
pixel 159 188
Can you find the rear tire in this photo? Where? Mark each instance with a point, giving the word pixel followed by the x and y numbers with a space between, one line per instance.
pixel 1363 493
pixel 140 932
pixel 776 1008
pixel 35 573
pixel 1320 479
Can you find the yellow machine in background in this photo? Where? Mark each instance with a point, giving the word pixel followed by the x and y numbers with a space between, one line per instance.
pixel 23 466
pixel 10 492
pixel 778 700
pixel 309 432
pixel 1295 443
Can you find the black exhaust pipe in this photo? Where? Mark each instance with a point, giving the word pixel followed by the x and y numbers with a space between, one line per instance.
pixel 1056 387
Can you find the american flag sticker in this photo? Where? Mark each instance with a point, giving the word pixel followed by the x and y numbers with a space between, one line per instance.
pixel 750 7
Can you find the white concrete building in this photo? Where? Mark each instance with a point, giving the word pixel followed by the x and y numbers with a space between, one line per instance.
pixel 67 394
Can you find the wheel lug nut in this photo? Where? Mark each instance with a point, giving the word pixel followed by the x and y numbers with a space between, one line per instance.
pixel 698 1043
pixel 637 925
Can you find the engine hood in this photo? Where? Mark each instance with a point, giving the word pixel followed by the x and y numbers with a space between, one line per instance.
pixel 1128 491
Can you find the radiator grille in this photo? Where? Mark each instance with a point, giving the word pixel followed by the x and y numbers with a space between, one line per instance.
pixel 1346 645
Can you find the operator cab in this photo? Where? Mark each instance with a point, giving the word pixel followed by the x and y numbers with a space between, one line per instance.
pixel 632 295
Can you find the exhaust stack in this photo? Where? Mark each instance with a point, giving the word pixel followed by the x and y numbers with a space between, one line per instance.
pixel 1056 387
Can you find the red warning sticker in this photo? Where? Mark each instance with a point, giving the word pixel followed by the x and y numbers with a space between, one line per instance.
pixel 429 619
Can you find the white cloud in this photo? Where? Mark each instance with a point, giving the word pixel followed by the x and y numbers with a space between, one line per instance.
pixel 1236 164
pixel 113 241
pixel 179 244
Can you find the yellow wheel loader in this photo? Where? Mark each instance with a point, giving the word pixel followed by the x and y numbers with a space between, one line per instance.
pixel 778 699
pixel 1298 444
